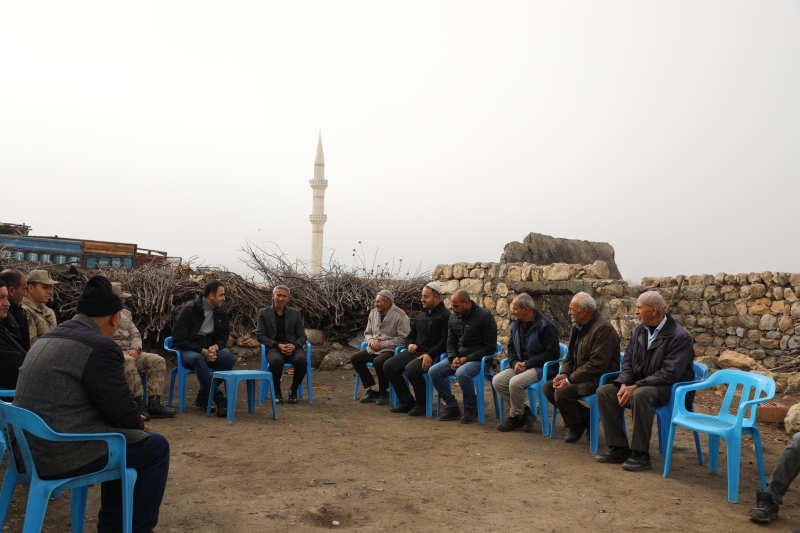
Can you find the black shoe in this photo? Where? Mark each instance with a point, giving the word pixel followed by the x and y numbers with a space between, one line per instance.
pixel 201 400
pixel 383 398
pixel 470 416
pixel 451 413
pixel 404 407
pixel 528 420
pixel 766 508
pixel 575 433
pixel 417 410
pixel 142 408
pixel 512 423
pixel 292 396
pixel 614 455
pixel 157 410
pixel 222 407
pixel 638 462
pixel 278 399
pixel 371 396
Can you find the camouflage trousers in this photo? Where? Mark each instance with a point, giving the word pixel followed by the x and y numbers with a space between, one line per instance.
pixel 151 365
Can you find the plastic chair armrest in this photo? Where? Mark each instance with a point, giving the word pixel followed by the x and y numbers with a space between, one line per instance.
pixel 608 375
pixel 503 364
pixel 399 349
pixel 679 394
pixel 750 403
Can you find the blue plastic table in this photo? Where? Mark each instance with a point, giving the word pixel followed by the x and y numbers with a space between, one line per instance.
pixel 233 377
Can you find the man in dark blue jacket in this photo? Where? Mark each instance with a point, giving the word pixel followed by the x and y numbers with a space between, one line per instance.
pixel 534 341
pixel 201 332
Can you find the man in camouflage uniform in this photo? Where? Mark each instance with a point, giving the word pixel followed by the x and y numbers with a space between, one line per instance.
pixel 150 364
pixel 41 318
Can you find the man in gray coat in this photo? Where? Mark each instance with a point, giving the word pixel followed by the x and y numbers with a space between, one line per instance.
pixel 74 379
pixel 280 330
pixel 387 328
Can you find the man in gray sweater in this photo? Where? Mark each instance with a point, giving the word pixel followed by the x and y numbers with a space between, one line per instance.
pixel 74 379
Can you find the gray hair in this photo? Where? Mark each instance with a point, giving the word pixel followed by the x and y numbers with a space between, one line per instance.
pixel 585 300
pixel 281 287
pixel 525 300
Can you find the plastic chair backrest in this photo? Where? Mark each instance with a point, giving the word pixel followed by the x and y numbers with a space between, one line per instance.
pixel 755 389
pixel 563 349
pixel 700 371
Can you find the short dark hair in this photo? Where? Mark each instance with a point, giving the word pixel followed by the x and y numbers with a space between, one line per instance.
pixel 212 287
pixel 11 277
pixel 2 283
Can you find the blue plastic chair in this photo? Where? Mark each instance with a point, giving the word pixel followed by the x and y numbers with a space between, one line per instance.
pixel 664 413
pixel 535 392
pixel 6 394
pixel 265 368
pixel 392 395
pixel 181 372
pixel 594 411
pixel 17 423
pixel 232 379
pixel 756 389
pixel 485 374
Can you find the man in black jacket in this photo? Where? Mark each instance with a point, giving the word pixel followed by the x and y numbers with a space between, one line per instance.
pixel 660 353
pixel 534 341
pixel 17 320
pixel 280 329
pixel 74 379
pixel 12 353
pixel 426 341
pixel 201 332
pixel 471 335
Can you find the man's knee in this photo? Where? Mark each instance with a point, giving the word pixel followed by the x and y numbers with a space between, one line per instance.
pixel 414 368
pixel 607 394
pixel 794 444
pixel 393 367
pixel 641 397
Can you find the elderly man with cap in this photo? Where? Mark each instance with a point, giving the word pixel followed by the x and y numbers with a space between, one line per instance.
pixel 387 328
pixel 41 318
pixel 424 344
pixel 75 381
pixel 150 364
pixel 12 353
pixel 471 335
pixel 659 353
pixel 17 319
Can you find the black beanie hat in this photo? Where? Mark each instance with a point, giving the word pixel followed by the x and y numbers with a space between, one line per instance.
pixel 98 298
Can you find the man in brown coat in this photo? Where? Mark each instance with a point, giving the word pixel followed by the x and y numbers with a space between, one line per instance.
pixel 593 351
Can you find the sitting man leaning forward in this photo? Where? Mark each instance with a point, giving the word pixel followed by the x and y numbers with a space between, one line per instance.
pixel 593 351
pixel 534 341
pixel 151 365
pixel 387 328
pixel 660 353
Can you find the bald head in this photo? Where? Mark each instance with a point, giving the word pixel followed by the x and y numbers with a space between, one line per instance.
pixel 461 302
pixel 461 295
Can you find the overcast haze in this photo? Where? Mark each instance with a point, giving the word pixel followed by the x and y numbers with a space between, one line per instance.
pixel 669 129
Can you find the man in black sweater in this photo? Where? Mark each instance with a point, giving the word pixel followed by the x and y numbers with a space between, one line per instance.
pixel 17 320
pixel 12 353
pixel 424 344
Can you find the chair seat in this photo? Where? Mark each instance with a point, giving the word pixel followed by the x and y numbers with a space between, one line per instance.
pixel 703 421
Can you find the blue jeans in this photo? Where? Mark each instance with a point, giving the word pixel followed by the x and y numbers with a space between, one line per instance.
pixel 441 371
pixel 195 361
pixel 150 458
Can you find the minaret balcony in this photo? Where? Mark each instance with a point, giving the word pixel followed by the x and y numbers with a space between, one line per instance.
pixel 318 218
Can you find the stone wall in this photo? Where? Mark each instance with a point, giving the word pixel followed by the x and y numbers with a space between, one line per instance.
pixel 756 314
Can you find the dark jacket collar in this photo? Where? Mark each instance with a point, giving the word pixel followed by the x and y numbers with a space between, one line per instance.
pixel 86 321
pixel 534 322
pixel 668 331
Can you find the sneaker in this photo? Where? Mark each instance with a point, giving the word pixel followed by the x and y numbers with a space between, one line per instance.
pixel 470 416
pixel 201 400
pixel 142 408
pixel 404 407
pixel 575 433
pixel 766 508
pixel 292 397
pixel 222 407
pixel 511 423
pixel 157 410
pixel 383 398
pixel 417 410
pixel 638 462
pixel 528 419
pixel 371 396
pixel 451 413
pixel 615 454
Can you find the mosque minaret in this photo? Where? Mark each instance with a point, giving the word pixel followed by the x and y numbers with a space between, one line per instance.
pixel 318 216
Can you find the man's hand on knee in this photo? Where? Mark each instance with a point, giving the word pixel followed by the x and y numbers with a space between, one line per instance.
pixel 625 393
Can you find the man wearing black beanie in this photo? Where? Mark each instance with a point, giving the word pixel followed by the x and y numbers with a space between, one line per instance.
pixel 74 379
pixel 12 353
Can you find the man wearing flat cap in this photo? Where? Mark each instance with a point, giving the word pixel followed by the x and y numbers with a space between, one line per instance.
pixel 659 353
pixel 387 328
pixel 426 342
pixel 151 365
pixel 41 318
pixel 74 379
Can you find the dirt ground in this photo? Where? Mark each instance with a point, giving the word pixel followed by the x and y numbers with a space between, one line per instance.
pixel 336 460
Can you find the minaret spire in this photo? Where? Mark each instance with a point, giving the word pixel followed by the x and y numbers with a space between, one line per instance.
pixel 318 216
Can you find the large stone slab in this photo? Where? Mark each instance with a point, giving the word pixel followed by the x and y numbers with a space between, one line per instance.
pixel 541 249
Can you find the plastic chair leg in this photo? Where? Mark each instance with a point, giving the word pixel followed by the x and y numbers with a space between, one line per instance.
pixel 392 396
pixel 713 453
pixel 310 389
pixel 428 396
pixel 269 388
pixel 544 411
pixel 479 394
pixel 594 424
pixel 734 447
pixel 172 376
pixel 38 496
pixel 233 392
pixel 77 497
pixel 700 453
pixel 251 395
pixel 127 495
pixel 355 391
pixel 7 492
pixel 667 459
pixel 759 457
pixel 553 423
pixel 182 392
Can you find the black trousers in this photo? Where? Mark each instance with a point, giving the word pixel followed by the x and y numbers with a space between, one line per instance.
pixel 644 401
pixel 297 359
pixel 360 360
pixel 566 399
pixel 412 366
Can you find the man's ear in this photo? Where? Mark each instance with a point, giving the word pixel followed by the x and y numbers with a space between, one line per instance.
pixel 114 321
